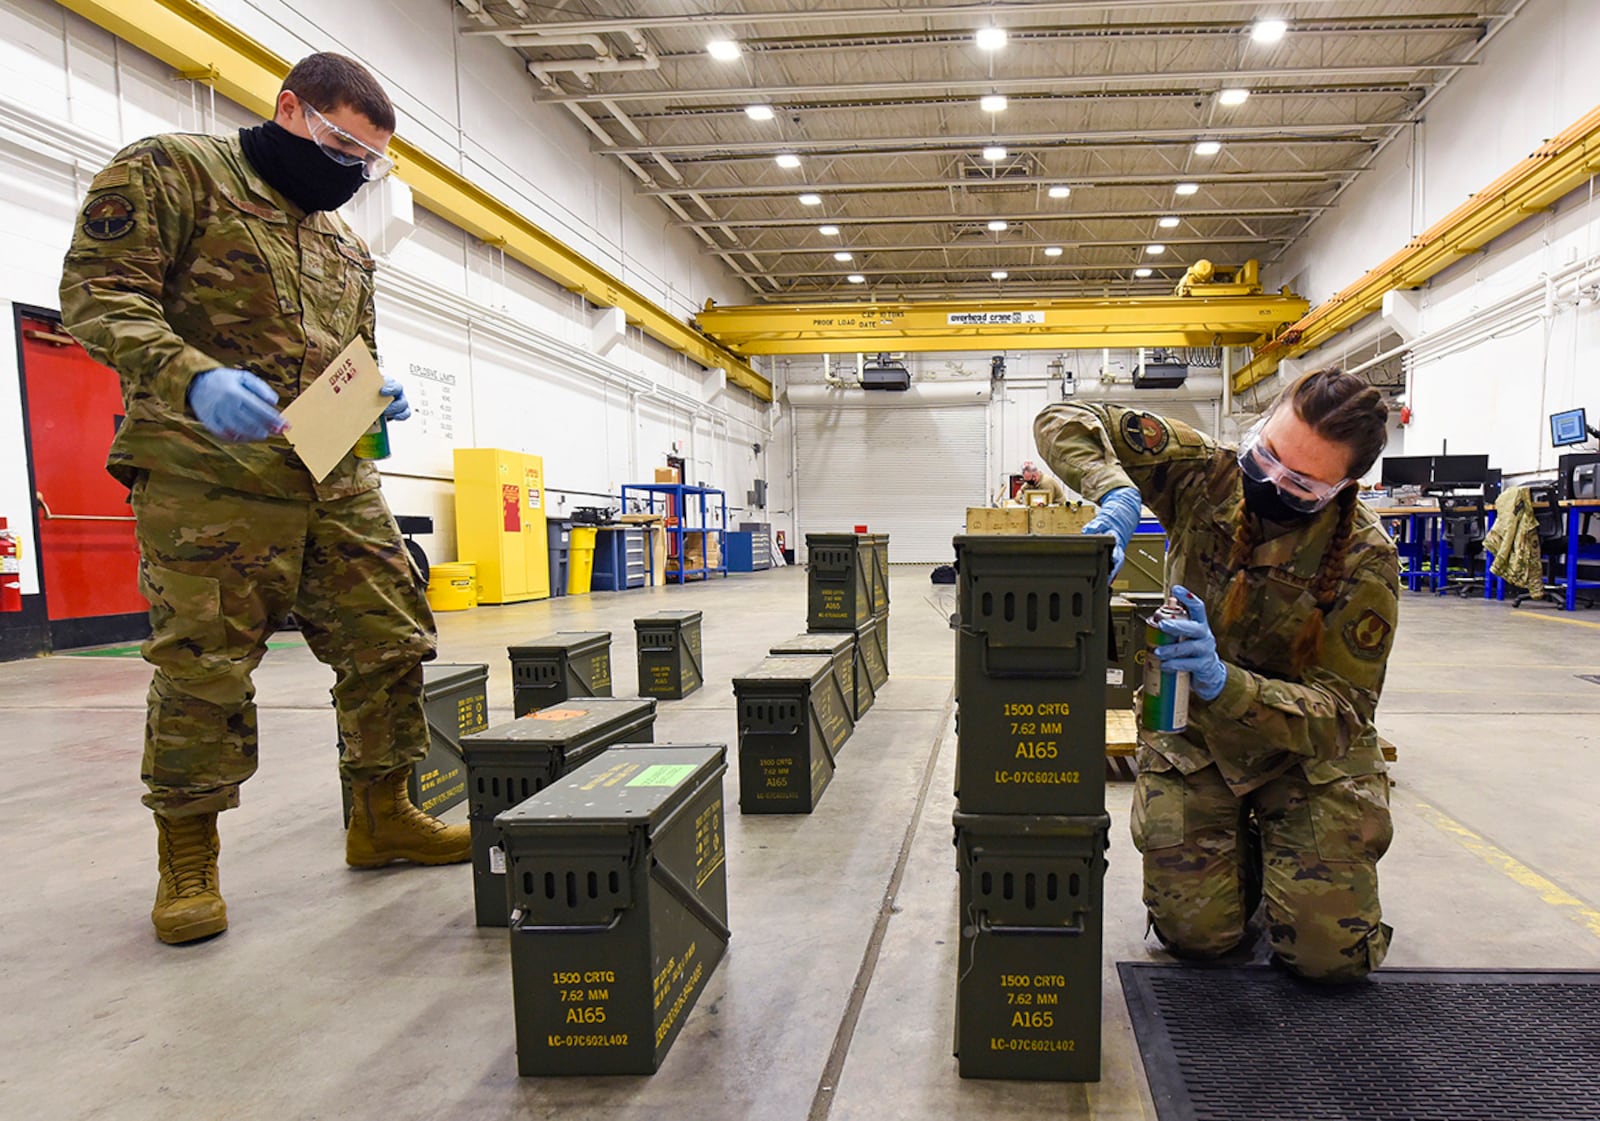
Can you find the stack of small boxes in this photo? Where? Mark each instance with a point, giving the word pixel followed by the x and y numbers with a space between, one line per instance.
pixel 799 706
pixel 1031 827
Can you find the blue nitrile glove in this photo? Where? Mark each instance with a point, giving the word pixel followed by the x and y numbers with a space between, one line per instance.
pixel 1196 652
pixel 399 408
pixel 235 404
pixel 1119 516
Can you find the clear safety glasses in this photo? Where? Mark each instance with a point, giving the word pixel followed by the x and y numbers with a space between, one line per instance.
pixel 342 148
pixel 1299 492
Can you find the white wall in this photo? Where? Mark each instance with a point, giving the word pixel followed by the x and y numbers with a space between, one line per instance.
pixel 519 348
pixel 1493 358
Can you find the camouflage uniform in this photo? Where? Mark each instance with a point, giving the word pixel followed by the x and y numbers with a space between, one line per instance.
pixel 1051 486
pixel 1514 541
pixel 184 260
pixel 1299 752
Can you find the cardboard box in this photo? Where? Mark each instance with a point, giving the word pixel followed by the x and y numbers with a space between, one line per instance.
pixel 990 519
pixel 667 475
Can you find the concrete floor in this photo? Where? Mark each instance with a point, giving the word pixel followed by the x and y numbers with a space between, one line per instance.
pixel 372 994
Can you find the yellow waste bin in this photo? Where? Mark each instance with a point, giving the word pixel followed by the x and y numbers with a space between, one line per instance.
pixel 453 587
pixel 580 560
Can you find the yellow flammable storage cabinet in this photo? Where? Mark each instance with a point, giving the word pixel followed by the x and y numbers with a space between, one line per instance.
pixel 500 523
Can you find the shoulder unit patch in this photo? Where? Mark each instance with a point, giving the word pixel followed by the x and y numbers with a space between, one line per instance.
pixel 1145 433
pixel 108 218
pixel 1368 635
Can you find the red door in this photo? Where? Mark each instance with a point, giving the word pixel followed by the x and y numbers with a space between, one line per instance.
pixel 87 548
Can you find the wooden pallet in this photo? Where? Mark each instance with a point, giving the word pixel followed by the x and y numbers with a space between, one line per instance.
pixel 1122 742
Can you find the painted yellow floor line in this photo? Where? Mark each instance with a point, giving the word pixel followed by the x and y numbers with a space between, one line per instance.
pixel 1496 857
pixel 1562 618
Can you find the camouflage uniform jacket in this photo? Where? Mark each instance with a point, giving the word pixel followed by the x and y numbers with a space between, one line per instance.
pixel 1267 719
pixel 1514 541
pixel 185 259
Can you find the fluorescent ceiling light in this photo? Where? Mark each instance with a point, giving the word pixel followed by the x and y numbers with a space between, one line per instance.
pixel 758 112
pixel 810 200
pixel 992 102
pixel 999 274
pixel 1168 223
pixel 842 256
pixel 828 231
pixel 997 225
pixel 1186 188
pixel 789 160
pixel 1143 273
pixel 990 38
pixel 1156 249
pixel 723 50
pixel 1232 97
pixel 1052 251
pixel 856 278
pixel 1207 148
pixel 1060 192
pixel 1268 31
pixel 994 153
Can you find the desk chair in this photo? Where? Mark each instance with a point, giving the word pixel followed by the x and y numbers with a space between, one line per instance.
pixel 1463 526
pixel 1552 522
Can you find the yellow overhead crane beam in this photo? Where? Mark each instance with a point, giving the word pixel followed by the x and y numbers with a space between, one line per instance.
pixel 1556 168
pixel 1064 324
pixel 204 48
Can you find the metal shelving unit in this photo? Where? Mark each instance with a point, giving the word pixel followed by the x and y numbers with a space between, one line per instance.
pixel 675 502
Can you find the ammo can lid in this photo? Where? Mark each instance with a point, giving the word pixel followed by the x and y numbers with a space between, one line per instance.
pixel 784 668
pixel 1031 825
pixel 1009 544
pixel 829 540
pixel 817 642
pixel 662 618
pixel 630 785
pixel 575 720
pixel 568 642
pixel 442 675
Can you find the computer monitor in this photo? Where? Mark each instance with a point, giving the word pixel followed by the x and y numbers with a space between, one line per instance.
pixel 1570 427
pixel 1407 470
pixel 1459 471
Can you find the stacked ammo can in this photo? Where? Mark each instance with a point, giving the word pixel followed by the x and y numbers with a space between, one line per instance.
pixel 514 760
pixel 1031 828
pixel 616 880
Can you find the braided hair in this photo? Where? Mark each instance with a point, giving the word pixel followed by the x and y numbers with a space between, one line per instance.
pixel 1344 409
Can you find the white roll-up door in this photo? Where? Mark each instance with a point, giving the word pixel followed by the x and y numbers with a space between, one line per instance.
pixel 907 471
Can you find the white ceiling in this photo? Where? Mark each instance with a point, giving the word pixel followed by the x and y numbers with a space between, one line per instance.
pixel 880 102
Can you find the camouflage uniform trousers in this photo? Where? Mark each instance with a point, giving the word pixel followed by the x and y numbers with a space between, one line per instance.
pixel 222 570
pixel 1317 867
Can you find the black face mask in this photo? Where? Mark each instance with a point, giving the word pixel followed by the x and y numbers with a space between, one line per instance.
pixel 298 169
pixel 1264 501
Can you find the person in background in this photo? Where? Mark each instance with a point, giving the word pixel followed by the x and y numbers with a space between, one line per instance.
pixel 1292 591
pixel 1034 479
pixel 213 275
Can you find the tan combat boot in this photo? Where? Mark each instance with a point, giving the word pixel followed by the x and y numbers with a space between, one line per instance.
pixel 189 899
pixel 385 827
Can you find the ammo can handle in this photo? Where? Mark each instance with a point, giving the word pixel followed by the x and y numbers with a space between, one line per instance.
pixel 515 923
pixel 1077 927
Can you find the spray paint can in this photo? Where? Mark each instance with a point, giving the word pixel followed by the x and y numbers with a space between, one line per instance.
pixel 374 442
pixel 1166 694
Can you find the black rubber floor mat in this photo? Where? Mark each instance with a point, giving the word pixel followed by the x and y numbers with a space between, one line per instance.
pixel 1251 1042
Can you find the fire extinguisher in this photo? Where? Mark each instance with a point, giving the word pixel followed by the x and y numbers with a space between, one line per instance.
pixel 10 570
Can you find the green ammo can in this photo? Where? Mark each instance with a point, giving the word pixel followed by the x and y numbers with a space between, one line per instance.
pixel 546 671
pixel 793 718
pixel 838 581
pixel 669 654
pixel 880 573
pixel 619 902
pixel 1125 652
pixel 1028 978
pixel 1144 565
pixel 840 646
pixel 1031 673
pixel 515 760
pixel 455 703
